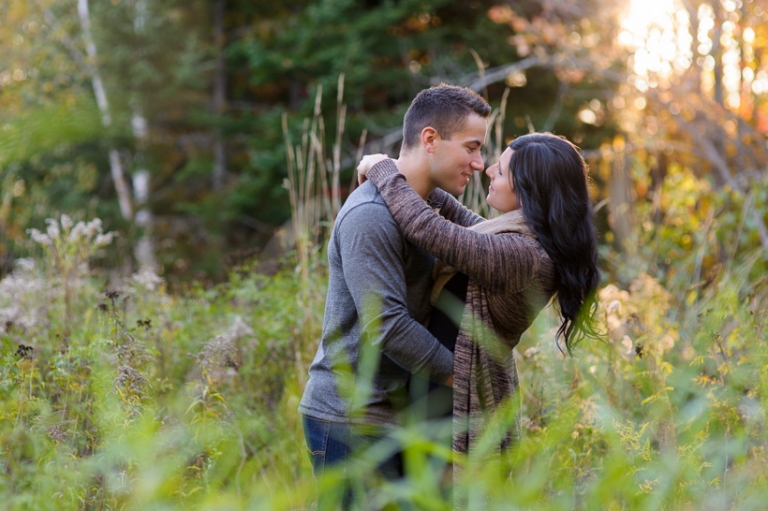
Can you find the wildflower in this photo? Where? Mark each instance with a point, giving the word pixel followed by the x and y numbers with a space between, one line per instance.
pixel 627 343
pixel 219 356
pixel 93 227
pixel 66 222
pixel 24 352
pixel 104 239
pixel 78 233
pixel 18 297
pixel 53 228
pixel 69 246
pixel 133 352
pixel 130 379
pixel 56 434
pixel 24 265
pixel 148 280
pixel 39 237
pixel 239 329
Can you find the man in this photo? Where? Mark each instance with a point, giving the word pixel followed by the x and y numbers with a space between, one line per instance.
pixel 379 286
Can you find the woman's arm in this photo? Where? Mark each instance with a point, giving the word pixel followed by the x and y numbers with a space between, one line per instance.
pixel 450 208
pixel 496 262
pixel 453 210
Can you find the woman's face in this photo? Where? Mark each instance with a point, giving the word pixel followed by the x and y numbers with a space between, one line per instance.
pixel 501 193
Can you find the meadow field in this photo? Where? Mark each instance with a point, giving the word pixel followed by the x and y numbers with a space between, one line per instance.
pixel 116 393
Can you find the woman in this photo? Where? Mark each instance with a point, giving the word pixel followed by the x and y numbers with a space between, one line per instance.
pixel 543 245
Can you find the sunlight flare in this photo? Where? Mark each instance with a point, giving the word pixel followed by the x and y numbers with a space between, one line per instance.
pixel 658 32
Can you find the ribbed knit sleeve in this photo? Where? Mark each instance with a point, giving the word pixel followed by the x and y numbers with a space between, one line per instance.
pixel 453 210
pixel 504 262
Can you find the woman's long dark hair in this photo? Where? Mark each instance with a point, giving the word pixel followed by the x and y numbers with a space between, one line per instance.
pixel 550 180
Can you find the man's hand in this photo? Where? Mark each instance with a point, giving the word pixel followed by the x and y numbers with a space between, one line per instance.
pixel 368 161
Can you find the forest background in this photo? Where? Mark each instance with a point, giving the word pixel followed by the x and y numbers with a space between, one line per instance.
pixel 216 140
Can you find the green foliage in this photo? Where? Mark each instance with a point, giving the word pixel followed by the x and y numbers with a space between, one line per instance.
pixel 40 130
pixel 159 59
pixel 137 399
pixel 133 399
pixel 387 52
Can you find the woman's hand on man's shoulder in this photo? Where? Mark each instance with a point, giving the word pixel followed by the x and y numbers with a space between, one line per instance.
pixel 368 161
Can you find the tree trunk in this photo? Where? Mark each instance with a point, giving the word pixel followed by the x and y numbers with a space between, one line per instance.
pixel 717 51
pixel 620 189
pixel 716 133
pixel 694 72
pixel 747 58
pixel 144 251
pixel 743 24
pixel 755 97
pixel 219 95
pixel 116 168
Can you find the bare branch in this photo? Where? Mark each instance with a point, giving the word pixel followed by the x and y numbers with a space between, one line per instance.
pixel 713 156
pixel 557 109
pixel 481 80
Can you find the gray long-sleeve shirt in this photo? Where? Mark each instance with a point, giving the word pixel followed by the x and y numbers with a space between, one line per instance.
pixel 377 299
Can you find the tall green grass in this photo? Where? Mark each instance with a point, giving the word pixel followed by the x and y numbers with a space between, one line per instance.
pixel 130 398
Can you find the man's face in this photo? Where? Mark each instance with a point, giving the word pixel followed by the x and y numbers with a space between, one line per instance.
pixel 453 161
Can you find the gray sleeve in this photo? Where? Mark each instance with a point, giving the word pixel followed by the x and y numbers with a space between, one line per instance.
pixel 372 251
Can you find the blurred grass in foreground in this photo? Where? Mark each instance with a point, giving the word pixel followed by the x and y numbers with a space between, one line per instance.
pixel 122 396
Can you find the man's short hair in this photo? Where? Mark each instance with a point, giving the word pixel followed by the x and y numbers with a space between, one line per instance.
pixel 444 108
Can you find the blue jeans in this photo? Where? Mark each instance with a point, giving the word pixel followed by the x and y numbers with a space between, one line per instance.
pixel 334 444
pixel 343 446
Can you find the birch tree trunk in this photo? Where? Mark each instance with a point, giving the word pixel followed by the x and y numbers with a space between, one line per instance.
pixel 144 251
pixel 116 168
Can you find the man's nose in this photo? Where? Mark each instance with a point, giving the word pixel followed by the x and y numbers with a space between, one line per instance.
pixel 477 163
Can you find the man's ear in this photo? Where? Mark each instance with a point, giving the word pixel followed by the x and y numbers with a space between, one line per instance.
pixel 429 136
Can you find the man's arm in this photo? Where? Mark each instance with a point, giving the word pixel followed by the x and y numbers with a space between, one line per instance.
pixel 372 254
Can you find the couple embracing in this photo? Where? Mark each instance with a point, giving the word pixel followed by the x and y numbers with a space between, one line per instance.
pixel 442 294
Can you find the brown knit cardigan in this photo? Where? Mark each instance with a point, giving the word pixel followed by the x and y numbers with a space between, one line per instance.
pixel 511 278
